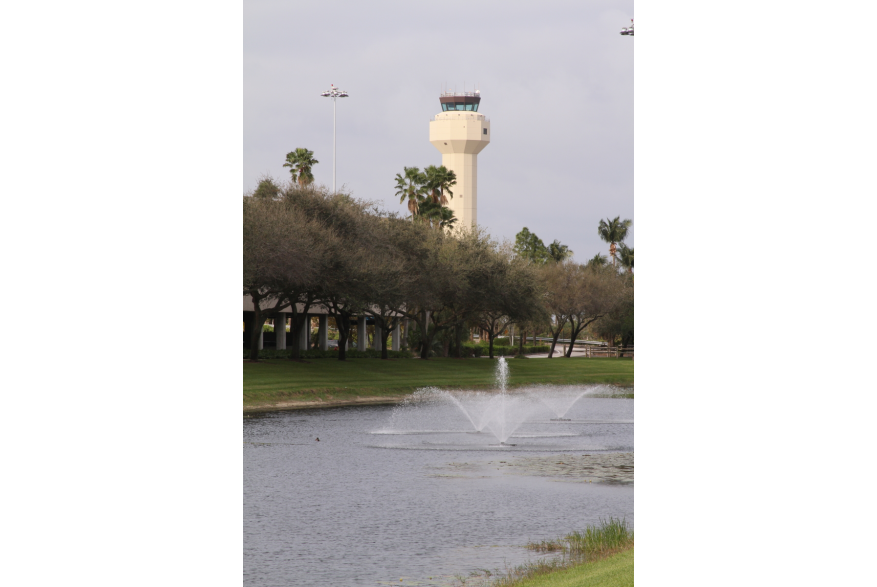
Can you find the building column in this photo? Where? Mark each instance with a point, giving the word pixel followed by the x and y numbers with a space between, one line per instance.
pixel 396 336
pixel 324 332
pixel 405 333
pixel 361 334
pixel 280 331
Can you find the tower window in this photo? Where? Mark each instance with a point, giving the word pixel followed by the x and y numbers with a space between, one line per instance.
pixel 485 131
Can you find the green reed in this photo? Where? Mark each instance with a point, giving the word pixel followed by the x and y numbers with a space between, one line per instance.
pixel 594 543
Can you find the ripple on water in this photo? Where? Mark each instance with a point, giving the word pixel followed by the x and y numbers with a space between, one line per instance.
pixel 347 511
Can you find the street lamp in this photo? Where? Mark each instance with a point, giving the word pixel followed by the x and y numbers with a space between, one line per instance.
pixel 333 93
pixel 628 31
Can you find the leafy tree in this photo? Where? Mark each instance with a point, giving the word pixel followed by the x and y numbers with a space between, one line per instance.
pixel 300 163
pixel 599 293
pixel 530 246
pixel 578 295
pixel 283 257
pixel 267 188
pixel 613 231
pixel 619 322
pixel 345 273
pixel 390 277
pixel 510 291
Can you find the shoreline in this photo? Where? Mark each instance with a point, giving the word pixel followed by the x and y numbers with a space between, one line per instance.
pixel 290 406
pixel 318 403
pixel 388 400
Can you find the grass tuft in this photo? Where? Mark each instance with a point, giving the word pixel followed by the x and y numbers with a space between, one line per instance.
pixel 596 543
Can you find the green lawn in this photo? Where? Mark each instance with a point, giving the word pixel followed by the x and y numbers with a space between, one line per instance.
pixel 614 571
pixel 269 382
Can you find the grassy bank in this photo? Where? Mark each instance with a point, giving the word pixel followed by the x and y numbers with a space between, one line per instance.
pixel 613 571
pixel 601 556
pixel 278 383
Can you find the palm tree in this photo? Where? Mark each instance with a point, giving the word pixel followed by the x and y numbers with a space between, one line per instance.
pixel 429 212
pixel 613 232
pixel 559 252
pixel 438 183
pixel 410 186
pixel 300 163
pixel 625 255
pixel 446 218
pixel 598 261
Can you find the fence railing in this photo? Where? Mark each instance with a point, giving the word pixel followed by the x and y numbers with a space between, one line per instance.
pixel 478 116
pixel 597 351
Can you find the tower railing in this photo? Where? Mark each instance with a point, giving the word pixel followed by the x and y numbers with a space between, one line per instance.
pixel 486 119
pixel 449 94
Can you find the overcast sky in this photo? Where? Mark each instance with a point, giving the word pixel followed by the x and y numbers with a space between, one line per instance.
pixel 556 83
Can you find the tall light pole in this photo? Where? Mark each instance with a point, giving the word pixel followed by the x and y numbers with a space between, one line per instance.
pixel 333 93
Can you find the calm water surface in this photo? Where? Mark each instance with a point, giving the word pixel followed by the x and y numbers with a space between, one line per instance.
pixel 376 499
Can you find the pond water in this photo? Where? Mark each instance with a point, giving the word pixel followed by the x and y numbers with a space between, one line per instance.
pixel 414 492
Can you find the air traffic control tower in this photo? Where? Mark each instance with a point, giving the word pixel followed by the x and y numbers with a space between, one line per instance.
pixel 459 132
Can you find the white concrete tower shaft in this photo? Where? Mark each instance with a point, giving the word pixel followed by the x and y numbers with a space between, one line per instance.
pixel 459 132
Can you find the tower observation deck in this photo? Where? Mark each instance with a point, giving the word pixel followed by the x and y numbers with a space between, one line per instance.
pixel 460 132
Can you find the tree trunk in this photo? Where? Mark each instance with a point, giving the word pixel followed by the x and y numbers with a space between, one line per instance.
pixel 576 331
pixel 490 344
pixel 458 335
pixel 385 333
pixel 258 321
pixel 425 338
pixel 554 344
pixel 572 339
pixel 521 340
pixel 343 326
pixel 295 331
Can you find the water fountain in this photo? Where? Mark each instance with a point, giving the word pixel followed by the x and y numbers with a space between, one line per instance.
pixel 435 411
pixel 559 401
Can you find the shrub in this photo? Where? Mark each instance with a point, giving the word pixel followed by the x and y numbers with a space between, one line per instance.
pixel 330 354
pixel 474 349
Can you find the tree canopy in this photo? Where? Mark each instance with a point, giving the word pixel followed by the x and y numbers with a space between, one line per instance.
pixel 530 247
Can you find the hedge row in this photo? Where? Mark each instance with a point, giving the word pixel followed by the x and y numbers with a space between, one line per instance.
pixel 330 354
pixel 470 350
pixel 483 350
